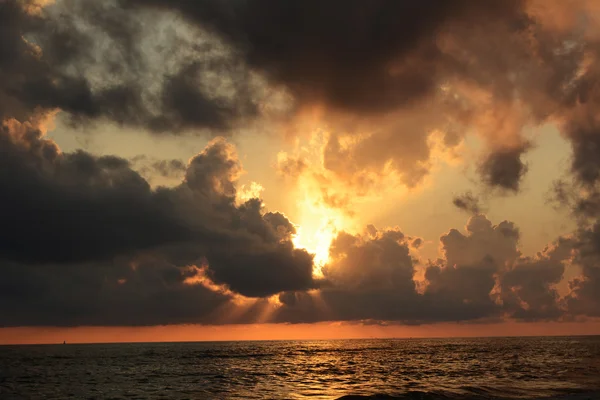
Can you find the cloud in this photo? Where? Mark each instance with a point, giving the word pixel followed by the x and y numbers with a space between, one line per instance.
pixel 374 75
pixel 528 289
pixel 483 241
pixel 78 214
pixel 381 83
pixel 584 298
pixel 168 168
pixel 369 276
pixel 99 61
pixel 482 276
pixel 74 207
pixel 206 256
pixel 369 262
pixel 461 285
pixel 104 294
pixel 352 56
pixel 364 65
pixel 85 239
pixel 290 167
pixel 265 267
pixel 504 169
pixel 467 202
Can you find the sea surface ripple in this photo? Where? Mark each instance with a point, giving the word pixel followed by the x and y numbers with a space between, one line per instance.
pixel 481 368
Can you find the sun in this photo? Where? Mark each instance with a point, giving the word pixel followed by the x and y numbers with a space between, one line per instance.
pixel 315 240
pixel 318 226
pixel 316 214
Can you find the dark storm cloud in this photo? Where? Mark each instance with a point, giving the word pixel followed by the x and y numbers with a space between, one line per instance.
pixel 355 55
pixel 486 273
pixel 467 202
pixel 136 66
pixel 584 298
pixel 581 195
pixel 481 277
pixel 266 267
pixel 504 169
pixel 74 218
pixel 183 104
pixel 96 60
pixel 258 273
pixel 465 278
pixel 586 154
pixel 75 207
pixel 369 276
pixel 130 61
pixel 581 192
pixel 580 124
pixel 104 294
pixel 365 60
pixel 138 256
pixel 528 291
pixel 85 240
pixel 495 66
pixel 170 168
pixel 385 253
pixel 582 200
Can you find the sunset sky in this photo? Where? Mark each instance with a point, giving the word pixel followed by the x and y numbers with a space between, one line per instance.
pixel 272 169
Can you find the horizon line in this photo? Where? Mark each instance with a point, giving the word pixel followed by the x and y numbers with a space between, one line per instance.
pixel 303 340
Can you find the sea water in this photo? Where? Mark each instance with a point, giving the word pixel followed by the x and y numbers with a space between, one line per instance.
pixel 481 368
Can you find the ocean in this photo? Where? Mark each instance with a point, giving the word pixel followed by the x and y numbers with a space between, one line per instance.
pixel 481 368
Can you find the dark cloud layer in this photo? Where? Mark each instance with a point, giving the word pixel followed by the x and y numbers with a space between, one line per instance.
pixel 75 207
pixel 467 202
pixel 96 60
pixel 123 253
pixel 504 169
pixel 528 289
pixel 495 67
pixel 103 61
pixel 79 223
pixel 481 277
pixel 154 293
pixel 346 54
pixel 86 240
pixel 584 298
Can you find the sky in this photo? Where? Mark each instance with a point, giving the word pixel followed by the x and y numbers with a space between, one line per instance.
pixel 300 169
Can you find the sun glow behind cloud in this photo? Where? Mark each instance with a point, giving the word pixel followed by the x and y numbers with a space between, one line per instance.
pixel 318 225
pixel 315 235
pixel 314 209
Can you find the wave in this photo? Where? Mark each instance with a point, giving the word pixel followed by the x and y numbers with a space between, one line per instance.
pixel 481 394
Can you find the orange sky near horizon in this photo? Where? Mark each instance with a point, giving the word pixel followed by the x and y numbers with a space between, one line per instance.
pixel 317 331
